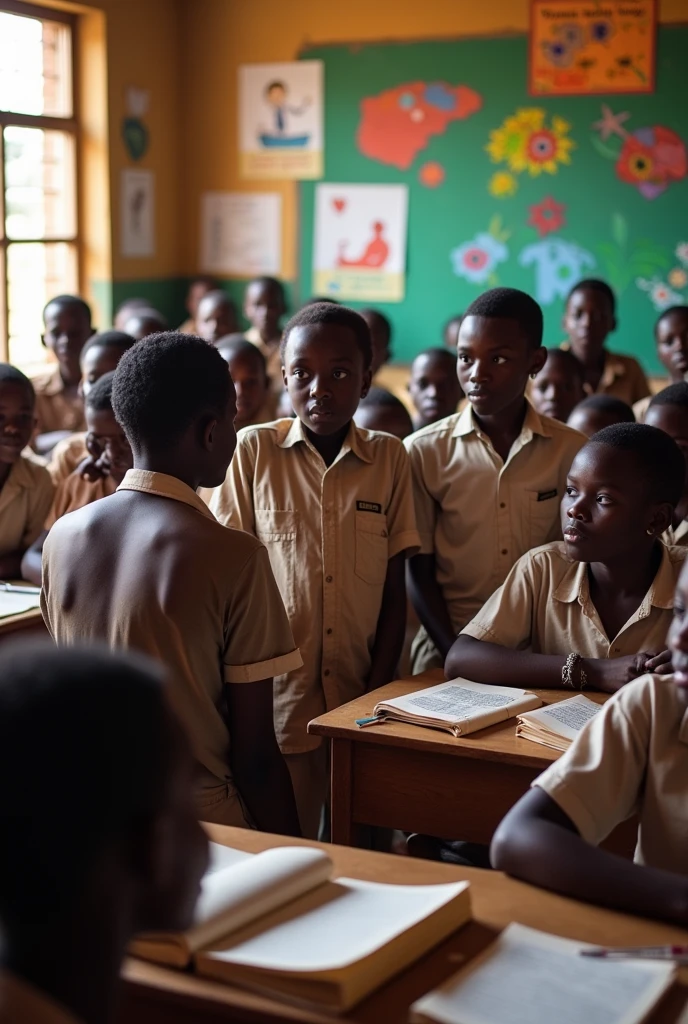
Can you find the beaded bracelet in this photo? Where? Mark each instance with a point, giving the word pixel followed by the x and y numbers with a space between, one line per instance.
pixel 567 673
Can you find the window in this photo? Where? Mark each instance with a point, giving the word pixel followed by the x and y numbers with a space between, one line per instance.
pixel 38 207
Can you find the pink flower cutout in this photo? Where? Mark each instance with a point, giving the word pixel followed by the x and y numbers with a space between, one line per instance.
pixel 547 216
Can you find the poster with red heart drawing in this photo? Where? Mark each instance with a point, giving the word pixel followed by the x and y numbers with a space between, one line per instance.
pixel 359 250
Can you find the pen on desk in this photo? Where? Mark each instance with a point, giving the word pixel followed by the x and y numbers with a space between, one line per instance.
pixel 677 953
pixel 11 588
pixel 363 723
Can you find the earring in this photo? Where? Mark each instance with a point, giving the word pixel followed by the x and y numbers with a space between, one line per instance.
pixel 650 532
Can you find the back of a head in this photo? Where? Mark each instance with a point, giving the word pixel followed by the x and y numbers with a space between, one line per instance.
pixel 377 321
pixel 318 314
pixel 510 304
pixel 568 362
pixel 381 410
pixel 11 375
pixel 658 459
pixel 99 397
pixel 236 345
pixel 149 316
pixel 594 284
pixel 441 356
pixel 608 404
pixel 674 394
pixel 162 386
pixel 93 727
pixel 380 398
pixel 109 339
pixel 321 298
pixel 74 301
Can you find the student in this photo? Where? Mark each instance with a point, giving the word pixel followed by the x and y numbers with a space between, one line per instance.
pixel 381 336
pixel 126 309
pixel 100 355
pixel 631 758
pixel 558 387
pixel 450 332
pixel 591 610
pixel 179 586
pixel 334 508
pixel 264 307
pixel 434 386
pixel 487 481
pixel 144 322
pixel 380 410
pixel 59 407
pixel 26 490
pixel 599 411
pixel 589 318
pixel 247 368
pixel 671 337
pixel 113 849
pixel 111 453
pixel 320 298
pixel 668 411
pixel 216 317
pixel 198 288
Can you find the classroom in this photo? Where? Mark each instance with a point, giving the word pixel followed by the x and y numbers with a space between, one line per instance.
pixel 343 512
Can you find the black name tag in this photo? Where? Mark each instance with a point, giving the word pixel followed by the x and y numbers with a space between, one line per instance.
pixel 372 506
pixel 546 495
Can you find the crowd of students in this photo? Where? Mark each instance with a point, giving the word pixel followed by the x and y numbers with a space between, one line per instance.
pixel 533 502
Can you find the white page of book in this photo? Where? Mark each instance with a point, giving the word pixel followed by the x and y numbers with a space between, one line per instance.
pixel 340 924
pixel 534 978
pixel 567 717
pixel 456 700
pixel 15 604
pixel 223 857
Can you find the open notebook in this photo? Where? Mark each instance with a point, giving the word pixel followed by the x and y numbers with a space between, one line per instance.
pixel 557 725
pixel 12 603
pixel 277 922
pixel 459 706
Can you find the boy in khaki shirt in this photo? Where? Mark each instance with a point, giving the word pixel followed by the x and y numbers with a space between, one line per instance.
pixel 150 569
pixel 333 506
pixel 487 481
pixel 631 758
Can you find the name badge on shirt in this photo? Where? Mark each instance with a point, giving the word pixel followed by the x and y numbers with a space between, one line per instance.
pixel 372 506
pixel 546 495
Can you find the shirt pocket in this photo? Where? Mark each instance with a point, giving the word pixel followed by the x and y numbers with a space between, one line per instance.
pixel 544 513
pixel 372 548
pixel 278 531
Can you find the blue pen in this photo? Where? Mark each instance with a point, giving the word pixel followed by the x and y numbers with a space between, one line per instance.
pixel 363 723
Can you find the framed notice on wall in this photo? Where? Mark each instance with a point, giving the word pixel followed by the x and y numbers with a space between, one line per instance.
pixel 586 48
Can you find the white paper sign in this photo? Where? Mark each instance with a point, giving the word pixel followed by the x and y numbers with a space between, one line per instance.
pixel 137 214
pixel 241 233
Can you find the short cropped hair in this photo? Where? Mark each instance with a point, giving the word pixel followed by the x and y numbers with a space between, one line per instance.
pixel 93 726
pixel 109 339
pixel 69 300
pixel 573 364
pixel 443 354
pixel 596 285
pixel 321 298
pixel 510 304
pixel 135 302
pixel 380 398
pixel 99 397
pixel 609 404
pixel 319 313
pixel 669 312
pixel 675 394
pixel 148 313
pixel 219 296
pixel 11 375
pixel 163 385
pixel 383 322
pixel 658 458
pixel 236 345
pixel 269 282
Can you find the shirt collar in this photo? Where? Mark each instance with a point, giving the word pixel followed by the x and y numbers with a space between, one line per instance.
pixel 165 487
pixel 612 370
pixel 533 423
pixel 54 385
pixel 21 1001
pixel 354 441
pixel 574 586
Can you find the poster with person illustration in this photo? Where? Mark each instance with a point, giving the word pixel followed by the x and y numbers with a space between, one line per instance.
pixel 359 249
pixel 281 120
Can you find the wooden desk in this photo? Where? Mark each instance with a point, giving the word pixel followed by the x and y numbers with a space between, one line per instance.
pixel 27 623
pixel 424 780
pixel 155 995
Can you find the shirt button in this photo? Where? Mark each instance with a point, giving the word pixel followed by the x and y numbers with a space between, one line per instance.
pixel 329 632
pixel 505 551
pixel 502 504
pixel 326 672
pixel 328 579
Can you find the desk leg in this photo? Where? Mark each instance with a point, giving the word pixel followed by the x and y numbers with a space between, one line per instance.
pixel 340 793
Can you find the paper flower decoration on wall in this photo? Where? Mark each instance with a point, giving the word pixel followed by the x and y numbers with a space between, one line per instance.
pixel 547 216
pixel 477 259
pixel 662 296
pixel 558 264
pixel 649 158
pixel 526 141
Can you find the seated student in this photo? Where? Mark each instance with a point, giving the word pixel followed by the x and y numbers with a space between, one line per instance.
pixel 381 336
pixel 100 355
pixel 198 288
pixel 26 490
pixel 111 453
pixel 380 410
pixel 216 317
pixel 320 298
pixel 589 318
pixel 594 609
pixel 434 386
pixel 180 587
pixel 450 332
pixel 59 406
pixel 558 387
pixel 144 322
pixel 334 508
pixel 247 368
pixel 599 411
pixel 487 481
pixel 126 309
pixel 669 412
pixel 112 850
pixel 264 307
pixel 632 758
pixel 671 337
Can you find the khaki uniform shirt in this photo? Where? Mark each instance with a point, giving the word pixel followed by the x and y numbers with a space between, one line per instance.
pixel 75 492
pixel 544 604
pixel 273 359
pixel 622 377
pixel 477 514
pixel 66 456
pixel 54 409
pixel 21 1003
pixel 25 501
pixel 150 569
pixel 631 758
pixel 330 533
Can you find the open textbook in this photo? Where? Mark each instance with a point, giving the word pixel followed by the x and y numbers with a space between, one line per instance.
pixel 277 922
pixel 13 603
pixel 529 977
pixel 557 725
pixel 459 706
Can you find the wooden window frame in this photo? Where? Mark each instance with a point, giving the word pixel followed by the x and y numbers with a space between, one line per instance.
pixel 70 126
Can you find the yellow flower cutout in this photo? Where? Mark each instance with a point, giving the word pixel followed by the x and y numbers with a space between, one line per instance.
pixel 678 277
pixel 526 142
pixel 502 184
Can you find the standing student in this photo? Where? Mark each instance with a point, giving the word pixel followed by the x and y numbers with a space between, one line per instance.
pixel 333 506
pixel 589 319
pixel 669 412
pixel 26 490
pixel 264 307
pixel 671 338
pixel 599 411
pixel 198 287
pixel 180 587
pixel 114 848
pixel 216 316
pixel 434 386
pixel 59 406
pixel 487 481
pixel 558 387
pixel 248 370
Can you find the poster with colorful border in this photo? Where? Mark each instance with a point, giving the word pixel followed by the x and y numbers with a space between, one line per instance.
pixel 588 48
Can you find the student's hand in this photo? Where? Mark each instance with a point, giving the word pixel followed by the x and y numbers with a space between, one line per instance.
pixel 660 664
pixel 92 469
pixel 610 674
